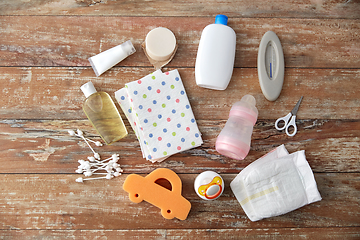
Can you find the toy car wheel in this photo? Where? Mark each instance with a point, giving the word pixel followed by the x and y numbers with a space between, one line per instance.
pixel 135 197
pixel 167 213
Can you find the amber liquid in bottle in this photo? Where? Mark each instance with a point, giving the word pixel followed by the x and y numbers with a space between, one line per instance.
pixel 104 116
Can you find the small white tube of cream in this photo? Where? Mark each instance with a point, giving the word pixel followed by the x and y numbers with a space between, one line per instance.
pixel 109 58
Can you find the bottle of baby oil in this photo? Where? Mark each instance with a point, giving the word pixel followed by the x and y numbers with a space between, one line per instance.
pixel 103 114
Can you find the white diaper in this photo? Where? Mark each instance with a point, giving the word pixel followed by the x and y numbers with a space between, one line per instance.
pixel 275 184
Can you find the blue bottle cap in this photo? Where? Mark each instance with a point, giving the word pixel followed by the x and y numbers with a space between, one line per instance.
pixel 221 19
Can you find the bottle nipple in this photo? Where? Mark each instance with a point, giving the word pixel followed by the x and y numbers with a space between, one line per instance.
pixel 249 99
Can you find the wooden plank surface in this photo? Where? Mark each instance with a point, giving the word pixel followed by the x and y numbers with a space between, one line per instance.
pixel 45 146
pixel 272 233
pixel 233 8
pixel 328 93
pixel 70 41
pixel 58 202
pixel 44 47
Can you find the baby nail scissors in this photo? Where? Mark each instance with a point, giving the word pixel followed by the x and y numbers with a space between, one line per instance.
pixel 287 123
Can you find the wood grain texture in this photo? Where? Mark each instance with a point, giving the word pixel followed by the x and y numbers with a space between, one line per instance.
pixel 46 147
pixel 54 93
pixel 44 47
pixel 70 41
pixel 58 202
pixel 351 233
pixel 234 8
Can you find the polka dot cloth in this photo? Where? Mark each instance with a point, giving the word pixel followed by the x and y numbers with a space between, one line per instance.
pixel 163 121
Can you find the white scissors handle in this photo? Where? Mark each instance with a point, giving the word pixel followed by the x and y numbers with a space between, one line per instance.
pixel 291 123
pixel 285 119
pixel 287 123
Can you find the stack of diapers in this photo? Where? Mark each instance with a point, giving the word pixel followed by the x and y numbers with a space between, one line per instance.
pixel 275 184
pixel 160 114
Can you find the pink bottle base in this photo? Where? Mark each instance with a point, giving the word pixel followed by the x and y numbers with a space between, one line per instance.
pixel 238 151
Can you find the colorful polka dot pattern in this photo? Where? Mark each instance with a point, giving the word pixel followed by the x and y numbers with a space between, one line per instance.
pixel 161 114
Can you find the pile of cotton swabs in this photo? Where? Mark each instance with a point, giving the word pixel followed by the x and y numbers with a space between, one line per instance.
pixel 108 168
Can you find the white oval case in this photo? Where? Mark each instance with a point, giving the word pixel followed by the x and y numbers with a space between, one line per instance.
pixel 270 65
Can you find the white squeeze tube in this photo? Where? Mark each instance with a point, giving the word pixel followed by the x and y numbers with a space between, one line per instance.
pixel 109 58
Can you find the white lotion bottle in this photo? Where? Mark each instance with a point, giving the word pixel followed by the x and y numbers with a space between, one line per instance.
pixel 216 55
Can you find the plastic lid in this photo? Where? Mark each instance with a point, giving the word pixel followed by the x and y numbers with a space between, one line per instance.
pixel 221 19
pixel 128 47
pixel 88 89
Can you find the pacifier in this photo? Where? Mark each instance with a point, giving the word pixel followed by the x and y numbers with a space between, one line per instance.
pixel 209 185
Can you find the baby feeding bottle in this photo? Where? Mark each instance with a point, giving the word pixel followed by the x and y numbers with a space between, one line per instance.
pixel 234 140
pixel 103 114
pixel 216 54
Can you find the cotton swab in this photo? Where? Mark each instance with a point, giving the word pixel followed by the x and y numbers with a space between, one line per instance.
pixel 80 134
pixel 97 143
pixel 95 164
pixel 80 179
pixel 109 165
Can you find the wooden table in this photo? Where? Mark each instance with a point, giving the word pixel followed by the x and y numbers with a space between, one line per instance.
pixel 44 47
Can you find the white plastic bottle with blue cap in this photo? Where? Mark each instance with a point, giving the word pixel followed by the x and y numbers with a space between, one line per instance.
pixel 216 55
